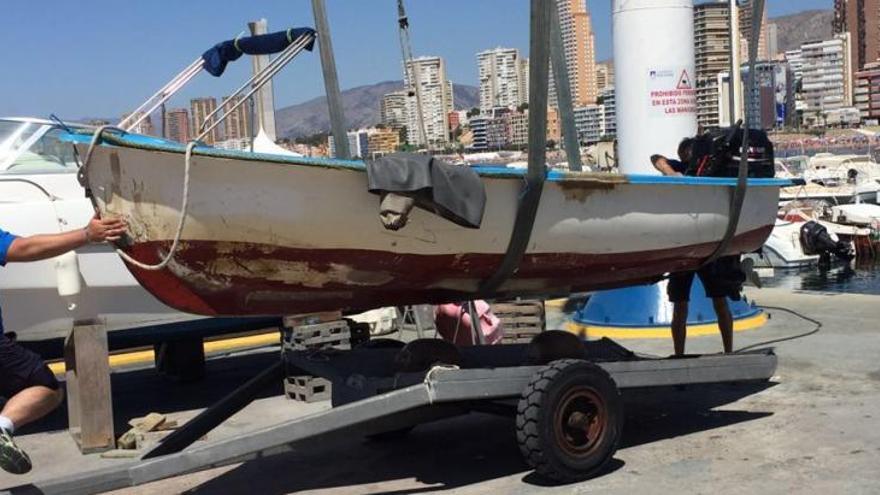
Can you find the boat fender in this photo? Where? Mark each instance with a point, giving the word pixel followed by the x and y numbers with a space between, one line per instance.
pixel 394 210
pixel 68 277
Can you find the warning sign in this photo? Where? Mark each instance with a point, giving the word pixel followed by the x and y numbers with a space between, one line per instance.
pixel 671 93
pixel 684 81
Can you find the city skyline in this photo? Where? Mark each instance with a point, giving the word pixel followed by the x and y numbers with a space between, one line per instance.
pixel 149 48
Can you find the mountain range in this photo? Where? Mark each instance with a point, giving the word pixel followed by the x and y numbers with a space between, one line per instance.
pixel 361 105
pixel 795 29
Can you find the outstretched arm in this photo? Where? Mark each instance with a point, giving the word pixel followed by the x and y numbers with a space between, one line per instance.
pixel 44 246
pixel 662 164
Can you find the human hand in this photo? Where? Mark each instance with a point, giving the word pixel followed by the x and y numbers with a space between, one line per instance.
pixel 105 229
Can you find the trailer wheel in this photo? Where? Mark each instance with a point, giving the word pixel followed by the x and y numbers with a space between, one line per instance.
pixel 569 420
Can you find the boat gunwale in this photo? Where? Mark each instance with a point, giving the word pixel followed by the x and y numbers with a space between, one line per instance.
pixel 149 143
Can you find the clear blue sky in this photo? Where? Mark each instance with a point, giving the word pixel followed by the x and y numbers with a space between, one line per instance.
pixel 100 58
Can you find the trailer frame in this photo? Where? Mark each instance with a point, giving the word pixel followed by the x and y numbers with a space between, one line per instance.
pixel 369 400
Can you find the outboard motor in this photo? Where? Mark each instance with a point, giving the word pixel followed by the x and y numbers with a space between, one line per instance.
pixel 816 239
pixel 716 153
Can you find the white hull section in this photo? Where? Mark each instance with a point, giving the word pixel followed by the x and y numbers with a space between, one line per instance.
pixel 29 295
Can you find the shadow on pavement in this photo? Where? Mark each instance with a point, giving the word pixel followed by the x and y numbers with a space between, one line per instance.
pixel 452 453
pixel 137 393
pixel 471 449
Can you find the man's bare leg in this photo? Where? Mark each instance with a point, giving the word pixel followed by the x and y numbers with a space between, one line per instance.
pixel 31 404
pixel 725 322
pixel 679 326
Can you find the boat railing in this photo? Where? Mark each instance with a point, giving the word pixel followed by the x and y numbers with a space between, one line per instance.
pixel 257 81
pixel 287 44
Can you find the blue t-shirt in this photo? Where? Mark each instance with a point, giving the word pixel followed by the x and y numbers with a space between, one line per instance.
pixel 5 241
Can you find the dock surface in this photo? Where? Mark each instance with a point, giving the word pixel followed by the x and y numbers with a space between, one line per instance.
pixel 812 429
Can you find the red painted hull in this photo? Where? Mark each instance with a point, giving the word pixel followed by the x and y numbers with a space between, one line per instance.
pixel 193 284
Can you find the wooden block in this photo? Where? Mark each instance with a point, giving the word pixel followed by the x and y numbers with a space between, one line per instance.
pixel 130 439
pixel 90 407
pixel 150 423
pixel 168 424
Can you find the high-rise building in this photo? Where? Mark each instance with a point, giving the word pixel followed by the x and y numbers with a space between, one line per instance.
pixel 200 108
pixel 499 74
pixel 711 56
pixel 771 104
pixel 554 128
pixel 604 75
pixel 237 123
pixel 435 92
pixel 590 123
pixel 826 83
pixel 524 79
pixel 867 93
pixel 745 31
pixel 176 126
pixel 383 141
pixel 578 42
pixel 861 19
pixel 518 128
pixel 608 100
pixel 358 144
pixel 145 126
pixel 795 59
pixel 393 109
pixel 772 40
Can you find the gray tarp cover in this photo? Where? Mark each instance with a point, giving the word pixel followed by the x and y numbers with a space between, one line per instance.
pixel 455 193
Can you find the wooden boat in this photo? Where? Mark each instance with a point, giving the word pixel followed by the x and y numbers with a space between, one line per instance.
pixel 270 234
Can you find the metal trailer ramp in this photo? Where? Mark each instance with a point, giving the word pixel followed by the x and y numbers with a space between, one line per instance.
pixel 440 392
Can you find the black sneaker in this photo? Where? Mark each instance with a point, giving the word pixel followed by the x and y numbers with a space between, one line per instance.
pixel 12 458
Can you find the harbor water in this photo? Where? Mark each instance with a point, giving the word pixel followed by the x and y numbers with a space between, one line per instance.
pixel 862 278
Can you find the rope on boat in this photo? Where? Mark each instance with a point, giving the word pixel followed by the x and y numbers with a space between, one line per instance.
pixel 96 137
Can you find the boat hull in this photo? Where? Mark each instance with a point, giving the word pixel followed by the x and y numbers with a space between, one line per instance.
pixel 280 235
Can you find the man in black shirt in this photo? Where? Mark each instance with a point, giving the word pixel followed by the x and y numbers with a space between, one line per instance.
pixel 714 276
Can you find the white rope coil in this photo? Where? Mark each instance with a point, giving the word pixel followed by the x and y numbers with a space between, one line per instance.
pixel 183 207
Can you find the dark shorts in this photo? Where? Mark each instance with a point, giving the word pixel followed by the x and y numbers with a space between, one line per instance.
pixel 21 368
pixel 722 278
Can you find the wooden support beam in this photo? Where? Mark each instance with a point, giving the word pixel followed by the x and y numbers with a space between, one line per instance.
pixel 89 399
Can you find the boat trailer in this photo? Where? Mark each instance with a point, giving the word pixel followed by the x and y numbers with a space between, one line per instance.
pixel 563 392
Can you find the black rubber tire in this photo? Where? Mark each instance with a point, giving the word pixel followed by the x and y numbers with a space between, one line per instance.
pixel 554 395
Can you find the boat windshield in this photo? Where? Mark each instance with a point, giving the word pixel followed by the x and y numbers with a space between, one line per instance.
pixel 33 147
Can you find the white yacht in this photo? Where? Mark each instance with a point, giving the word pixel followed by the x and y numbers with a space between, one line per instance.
pixel 783 248
pixel 40 193
pixel 840 179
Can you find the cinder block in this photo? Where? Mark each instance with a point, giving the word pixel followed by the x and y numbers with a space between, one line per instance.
pixel 306 388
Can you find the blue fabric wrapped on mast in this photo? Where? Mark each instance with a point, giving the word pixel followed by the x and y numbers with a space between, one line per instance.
pixel 264 44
